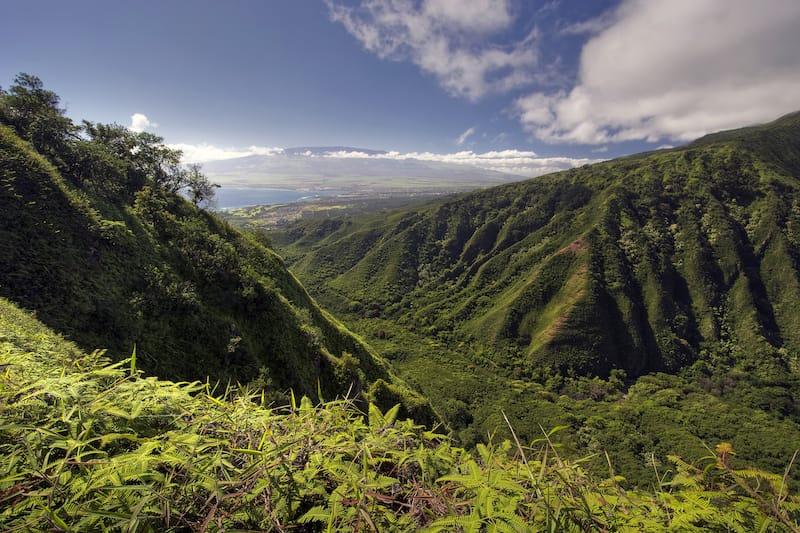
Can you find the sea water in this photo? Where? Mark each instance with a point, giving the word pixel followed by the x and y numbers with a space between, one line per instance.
pixel 228 198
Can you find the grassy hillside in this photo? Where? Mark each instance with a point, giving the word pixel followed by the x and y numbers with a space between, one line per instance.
pixel 95 240
pixel 86 446
pixel 627 300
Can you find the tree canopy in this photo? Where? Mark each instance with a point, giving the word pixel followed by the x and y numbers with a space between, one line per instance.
pixel 107 158
pixel 34 113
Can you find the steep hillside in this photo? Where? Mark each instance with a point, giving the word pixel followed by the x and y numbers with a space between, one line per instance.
pixel 683 262
pixel 98 244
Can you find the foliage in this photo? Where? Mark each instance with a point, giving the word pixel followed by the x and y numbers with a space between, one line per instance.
pixel 35 114
pixel 199 188
pixel 136 160
pixel 108 157
pixel 92 446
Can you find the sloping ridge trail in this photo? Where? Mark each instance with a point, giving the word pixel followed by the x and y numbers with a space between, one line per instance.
pixel 198 299
pixel 645 263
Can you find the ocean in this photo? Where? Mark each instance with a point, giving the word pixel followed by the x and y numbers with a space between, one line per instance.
pixel 229 198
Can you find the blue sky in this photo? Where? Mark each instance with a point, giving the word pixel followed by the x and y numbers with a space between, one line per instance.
pixel 547 84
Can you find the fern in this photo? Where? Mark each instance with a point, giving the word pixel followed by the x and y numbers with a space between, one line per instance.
pixel 464 523
pixel 90 446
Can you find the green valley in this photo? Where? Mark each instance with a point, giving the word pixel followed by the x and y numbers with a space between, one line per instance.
pixel 649 304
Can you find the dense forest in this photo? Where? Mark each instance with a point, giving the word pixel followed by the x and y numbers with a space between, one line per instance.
pixel 609 348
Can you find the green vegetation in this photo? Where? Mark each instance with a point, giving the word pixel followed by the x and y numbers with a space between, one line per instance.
pixel 96 240
pixel 90 446
pixel 650 304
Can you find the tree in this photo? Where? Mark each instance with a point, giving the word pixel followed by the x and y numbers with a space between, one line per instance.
pixel 34 113
pixel 199 187
pixel 145 157
pixel 108 158
pixel 158 162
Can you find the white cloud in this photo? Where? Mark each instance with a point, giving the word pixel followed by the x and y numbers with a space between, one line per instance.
pixel 264 150
pixel 499 138
pixel 450 39
pixel 464 136
pixel 199 153
pixel 470 15
pixel 140 122
pixel 520 162
pixel 675 71
pixel 590 26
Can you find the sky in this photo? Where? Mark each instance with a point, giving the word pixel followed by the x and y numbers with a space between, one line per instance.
pixel 534 85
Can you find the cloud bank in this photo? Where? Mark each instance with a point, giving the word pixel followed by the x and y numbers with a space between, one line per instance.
pixel 200 153
pixel 519 162
pixel 449 39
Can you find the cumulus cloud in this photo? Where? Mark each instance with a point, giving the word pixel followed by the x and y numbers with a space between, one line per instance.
pixel 200 153
pixel 464 136
pixel 140 122
pixel 675 71
pixel 449 39
pixel 520 162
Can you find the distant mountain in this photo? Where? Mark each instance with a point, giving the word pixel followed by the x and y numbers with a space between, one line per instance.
pixel 324 150
pixel 345 168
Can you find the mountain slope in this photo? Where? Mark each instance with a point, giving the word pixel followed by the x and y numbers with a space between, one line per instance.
pixel 196 297
pixel 649 303
pixel 632 264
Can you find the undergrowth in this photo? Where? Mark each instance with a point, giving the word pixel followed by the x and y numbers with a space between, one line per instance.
pixel 86 445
